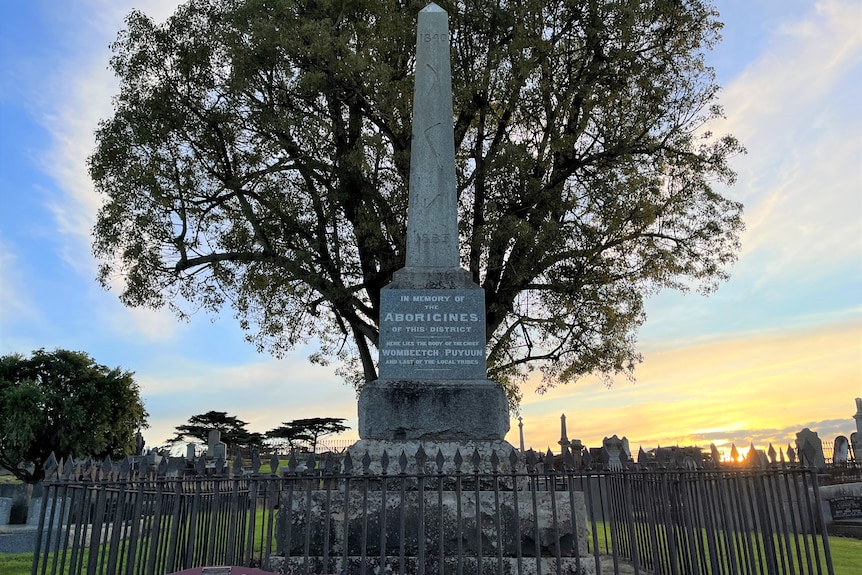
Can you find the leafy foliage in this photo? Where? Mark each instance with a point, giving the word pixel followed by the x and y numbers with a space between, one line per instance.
pixel 233 430
pixel 258 158
pixel 65 402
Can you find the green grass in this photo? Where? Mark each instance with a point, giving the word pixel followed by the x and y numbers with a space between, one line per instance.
pixel 846 552
pixel 846 555
pixel 15 563
pixel 846 558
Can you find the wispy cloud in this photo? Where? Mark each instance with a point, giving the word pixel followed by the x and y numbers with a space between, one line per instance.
pixel 723 391
pixel 15 303
pixel 794 108
pixel 71 106
pixel 263 393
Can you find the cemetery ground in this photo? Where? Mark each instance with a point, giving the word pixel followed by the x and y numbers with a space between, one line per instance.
pixel 846 554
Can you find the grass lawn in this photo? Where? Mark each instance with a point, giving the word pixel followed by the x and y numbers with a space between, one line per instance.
pixel 846 556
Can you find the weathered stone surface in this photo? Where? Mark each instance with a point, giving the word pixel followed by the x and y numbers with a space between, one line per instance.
pixel 810 450
pixel 432 334
pixel 432 212
pixel 507 523
pixel 427 409
pixel 490 566
pixel 432 370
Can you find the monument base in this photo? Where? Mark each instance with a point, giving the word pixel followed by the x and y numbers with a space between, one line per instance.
pixel 449 410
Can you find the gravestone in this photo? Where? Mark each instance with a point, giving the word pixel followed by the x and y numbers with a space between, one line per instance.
pixel 840 450
pixel 809 449
pixel 846 508
pixel 615 455
pixel 856 436
pixel 215 448
pixel 432 382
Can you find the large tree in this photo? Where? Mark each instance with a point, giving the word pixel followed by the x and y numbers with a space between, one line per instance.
pixel 307 430
pixel 65 402
pixel 258 156
pixel 232 430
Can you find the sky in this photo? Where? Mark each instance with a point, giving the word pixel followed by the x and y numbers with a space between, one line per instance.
pixel 777 348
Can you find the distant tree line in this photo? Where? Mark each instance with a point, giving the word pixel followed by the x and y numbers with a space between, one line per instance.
pixel 234 432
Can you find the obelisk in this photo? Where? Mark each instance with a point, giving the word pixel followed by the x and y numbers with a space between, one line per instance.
pixel 432 371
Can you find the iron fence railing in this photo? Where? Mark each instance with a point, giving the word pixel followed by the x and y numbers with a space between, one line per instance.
pixel 506 513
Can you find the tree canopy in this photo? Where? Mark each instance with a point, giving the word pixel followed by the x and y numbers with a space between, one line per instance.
pixel 65 402
pixel 258 154
pixel 232 430
pixel 307 430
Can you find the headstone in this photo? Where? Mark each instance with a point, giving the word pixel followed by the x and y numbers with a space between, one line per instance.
pixel 190 451
pixel 809 449
pixel 615 455
pixel 856 444
pixel 840 450
pixel 215 448
pixel 846 507
pixel 856 437
pixel 432 381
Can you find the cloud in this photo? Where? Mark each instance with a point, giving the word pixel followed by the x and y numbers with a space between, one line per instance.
pixel 748 387
pixel 16 305
pixel 263 393
pixel 70 106
pixel 794 109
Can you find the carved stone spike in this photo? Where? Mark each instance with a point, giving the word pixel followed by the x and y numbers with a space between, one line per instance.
pixel 459 460
pixel 347 464
pixel 274 463
pixel 402 462
pixel 255 461
pixel 476 459
pixel 366 463
pixel 440 460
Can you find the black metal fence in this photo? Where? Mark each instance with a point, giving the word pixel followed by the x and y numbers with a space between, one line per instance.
pixel 497 514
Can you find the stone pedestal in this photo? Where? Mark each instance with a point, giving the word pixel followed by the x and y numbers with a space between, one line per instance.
pixel 5 510
pixel 438 410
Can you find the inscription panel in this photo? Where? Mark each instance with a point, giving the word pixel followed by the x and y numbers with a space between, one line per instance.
pixel 432 334
pixel 847 507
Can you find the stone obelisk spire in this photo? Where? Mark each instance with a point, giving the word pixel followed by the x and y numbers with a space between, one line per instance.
pixel 432 215
pixel 432 372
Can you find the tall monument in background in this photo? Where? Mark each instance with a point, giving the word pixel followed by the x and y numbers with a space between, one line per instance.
pixel 432 367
